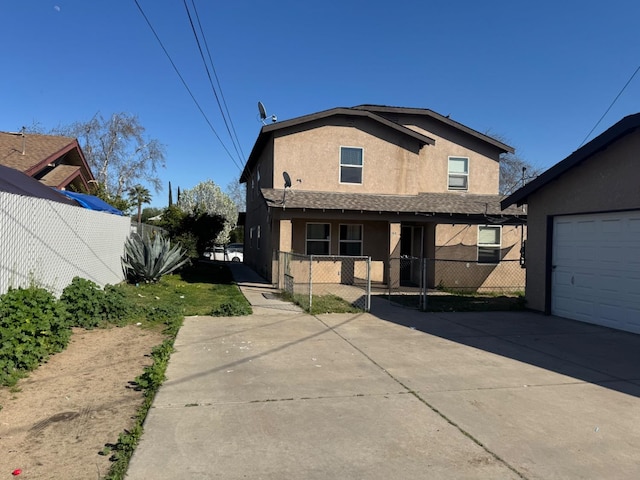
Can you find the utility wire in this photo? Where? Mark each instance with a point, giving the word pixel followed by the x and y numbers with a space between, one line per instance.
pixel 215 93
pixel 186 86
pixel 215 74
pixel 612 103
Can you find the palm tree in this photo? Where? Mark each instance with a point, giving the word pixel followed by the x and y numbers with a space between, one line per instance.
pixel 139 195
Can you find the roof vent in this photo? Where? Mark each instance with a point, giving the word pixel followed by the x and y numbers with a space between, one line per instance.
pixel 24 141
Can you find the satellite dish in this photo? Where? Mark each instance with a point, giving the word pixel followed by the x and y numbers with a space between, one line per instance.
pixel 262 111
pixel 263 114
pixel 287 180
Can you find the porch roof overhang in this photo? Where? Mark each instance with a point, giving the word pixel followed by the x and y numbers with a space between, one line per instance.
pixel 441 207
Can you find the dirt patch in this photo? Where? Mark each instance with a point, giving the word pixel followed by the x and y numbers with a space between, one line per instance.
pixel 54 424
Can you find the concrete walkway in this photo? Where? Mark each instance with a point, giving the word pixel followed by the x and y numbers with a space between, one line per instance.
pixel 393 394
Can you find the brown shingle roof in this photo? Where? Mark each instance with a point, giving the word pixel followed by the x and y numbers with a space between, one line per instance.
pixel 60 176
pixel 37 149
pixel 426 203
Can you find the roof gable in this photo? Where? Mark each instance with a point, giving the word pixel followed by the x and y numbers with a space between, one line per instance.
pixel 371 112
pixel 33 154
pixel 624 127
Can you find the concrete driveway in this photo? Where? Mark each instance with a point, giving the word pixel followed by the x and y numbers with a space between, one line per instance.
pixel 394 394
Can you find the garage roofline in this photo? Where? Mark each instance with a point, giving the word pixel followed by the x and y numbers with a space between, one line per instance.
pixel 623 127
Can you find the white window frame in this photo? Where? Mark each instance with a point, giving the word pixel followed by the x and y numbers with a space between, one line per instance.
pixel 494 246
pixel 464 175
pixel 307 239
pixel 361 166
pixel 341 241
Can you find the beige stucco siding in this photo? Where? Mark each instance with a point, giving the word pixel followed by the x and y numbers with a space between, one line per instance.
pixel 313 157
pixel 456 253
pixel 484 168
pixel 392 163
pixel 608 181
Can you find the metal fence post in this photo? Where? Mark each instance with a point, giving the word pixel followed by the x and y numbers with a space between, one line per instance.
pixel 367 307
pixel 424 290
pixel 310 282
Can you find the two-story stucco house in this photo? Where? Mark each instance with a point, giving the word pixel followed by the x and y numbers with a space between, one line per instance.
pixel 383 182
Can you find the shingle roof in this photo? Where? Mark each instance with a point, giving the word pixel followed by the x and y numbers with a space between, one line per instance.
pixel 426 203
pixel 60 176
pixel 36 148
pixel 623 127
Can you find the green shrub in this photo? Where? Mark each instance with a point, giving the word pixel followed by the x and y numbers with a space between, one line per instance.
pixel 89 306
pixel 117 308
pixel 84 301
pixel 32 326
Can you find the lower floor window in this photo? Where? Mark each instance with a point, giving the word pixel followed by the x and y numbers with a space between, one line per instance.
pixel 489 238
pixel 318 241
pixel 351 240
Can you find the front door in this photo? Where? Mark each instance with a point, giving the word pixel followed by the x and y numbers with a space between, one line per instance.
pixel 411 241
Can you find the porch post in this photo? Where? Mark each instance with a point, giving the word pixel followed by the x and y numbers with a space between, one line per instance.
pixel 283 244
pixel 394 254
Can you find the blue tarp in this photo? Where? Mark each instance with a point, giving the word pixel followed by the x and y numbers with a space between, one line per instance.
pixel 91 202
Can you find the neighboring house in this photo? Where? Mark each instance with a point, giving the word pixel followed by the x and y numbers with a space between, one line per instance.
pixel 583 248
pixel 384 182
pixel 55 161
pixel 17 183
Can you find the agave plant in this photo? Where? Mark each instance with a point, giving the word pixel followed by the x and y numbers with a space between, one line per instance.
pixel 146 259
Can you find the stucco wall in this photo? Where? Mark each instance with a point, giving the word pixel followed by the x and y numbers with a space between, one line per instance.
pixel 392 163
pixel 455 264
pixel 259 255
pixel 607 181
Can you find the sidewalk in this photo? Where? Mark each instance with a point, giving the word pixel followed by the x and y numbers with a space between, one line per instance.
pixel 260 294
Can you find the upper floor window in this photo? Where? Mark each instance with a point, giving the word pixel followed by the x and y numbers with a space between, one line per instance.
pixel 351 164
pixel 351 240
pixel 318 241
pixel 489 243
pixel 458 173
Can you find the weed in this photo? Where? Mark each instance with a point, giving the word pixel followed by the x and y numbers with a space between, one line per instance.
pixel 232 308
pixel 33 325
pixel 84 301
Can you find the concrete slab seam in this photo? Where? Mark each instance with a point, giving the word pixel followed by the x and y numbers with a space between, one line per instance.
pixel 425 402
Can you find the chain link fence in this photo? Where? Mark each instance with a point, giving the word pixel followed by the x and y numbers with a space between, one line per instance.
pixel 143 229
pixel 46 243
pixel 412 280
pixel 307 277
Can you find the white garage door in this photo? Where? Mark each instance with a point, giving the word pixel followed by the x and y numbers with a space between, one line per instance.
pixel 596 269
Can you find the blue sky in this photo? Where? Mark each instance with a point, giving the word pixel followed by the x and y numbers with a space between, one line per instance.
pixel 539 74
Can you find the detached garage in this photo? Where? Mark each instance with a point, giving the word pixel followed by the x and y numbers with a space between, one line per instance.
pixel 583 246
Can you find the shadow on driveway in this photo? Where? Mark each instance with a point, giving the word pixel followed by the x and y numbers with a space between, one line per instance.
pixel 594 354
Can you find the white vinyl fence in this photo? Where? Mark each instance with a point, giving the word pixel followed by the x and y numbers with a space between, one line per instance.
pixel 47 243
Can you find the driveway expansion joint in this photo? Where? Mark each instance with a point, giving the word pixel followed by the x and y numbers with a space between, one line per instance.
pixel 424 402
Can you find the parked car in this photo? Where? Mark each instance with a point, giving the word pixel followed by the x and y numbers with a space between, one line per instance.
pixel 234 252
pixel 217 254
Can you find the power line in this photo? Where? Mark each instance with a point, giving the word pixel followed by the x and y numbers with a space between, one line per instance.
pixel 215 74
pixel 186 86
pixel 612 103
pixel 215 93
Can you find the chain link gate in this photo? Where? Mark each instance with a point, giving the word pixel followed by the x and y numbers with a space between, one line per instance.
pixel 309 276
